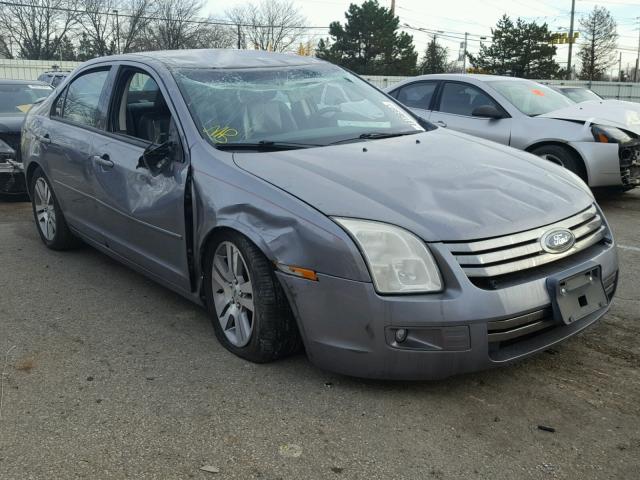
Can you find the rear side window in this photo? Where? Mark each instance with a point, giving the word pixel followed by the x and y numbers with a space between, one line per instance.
pixel 463 99
pixel 417 95
pixel 81 100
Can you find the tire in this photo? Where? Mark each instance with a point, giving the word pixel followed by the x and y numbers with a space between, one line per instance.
pixel 563 156
pixel 50 221
pixel 269 331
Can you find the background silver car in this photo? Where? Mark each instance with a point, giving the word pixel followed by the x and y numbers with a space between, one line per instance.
pixel 598 141
pixel 390 249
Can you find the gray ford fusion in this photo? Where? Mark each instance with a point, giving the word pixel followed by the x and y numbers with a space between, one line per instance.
pixel 304 208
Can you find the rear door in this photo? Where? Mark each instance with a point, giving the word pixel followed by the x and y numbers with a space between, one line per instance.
pixel 418 96
pixel 142 211
pixel 455 105
pixel 76 120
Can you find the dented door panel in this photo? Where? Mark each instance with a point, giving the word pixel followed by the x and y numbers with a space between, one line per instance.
pixel 142 215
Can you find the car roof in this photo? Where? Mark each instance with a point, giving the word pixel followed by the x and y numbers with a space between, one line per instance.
pixel 216 58
pixel 22 82
pixel 467 76
pixel 473 78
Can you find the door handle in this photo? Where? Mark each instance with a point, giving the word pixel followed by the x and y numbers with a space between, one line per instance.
pixel 44 138
pixel 103 160
pixel 440 123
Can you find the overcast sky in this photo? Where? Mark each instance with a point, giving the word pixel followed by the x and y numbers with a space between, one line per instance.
pixel 474 16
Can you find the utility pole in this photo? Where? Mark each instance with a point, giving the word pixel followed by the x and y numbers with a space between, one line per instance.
pixel 393 7
pixel 635 74
pixel 464 58
pixel 239 38
pixel 117 32
pixel 573 13
pixel 620 67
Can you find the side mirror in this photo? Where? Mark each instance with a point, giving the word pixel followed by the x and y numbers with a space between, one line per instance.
pixel 156 158
pixel 487 111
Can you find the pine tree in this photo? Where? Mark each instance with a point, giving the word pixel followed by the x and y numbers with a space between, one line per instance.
pixel 435 58
pixel 519 49
pixel 597 52
pixel 370 42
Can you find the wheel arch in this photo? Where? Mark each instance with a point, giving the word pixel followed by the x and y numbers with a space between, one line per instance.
pixel 566 146
pixel 229 226
pixel 33 166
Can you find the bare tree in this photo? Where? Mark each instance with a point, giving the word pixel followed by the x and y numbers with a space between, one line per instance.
pixel 177 24
pixel 275 25
pixel 600 37
pixel 137 20
pixel 99 26
pixel 37 27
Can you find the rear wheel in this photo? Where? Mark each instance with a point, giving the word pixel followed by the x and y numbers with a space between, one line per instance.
pixel 562 156
pixel 48 215
pixel 250 312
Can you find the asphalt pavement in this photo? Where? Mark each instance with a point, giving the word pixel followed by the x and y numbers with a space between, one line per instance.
pixel 105 374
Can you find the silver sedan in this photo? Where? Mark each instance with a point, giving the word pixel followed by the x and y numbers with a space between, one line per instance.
pixel 598 141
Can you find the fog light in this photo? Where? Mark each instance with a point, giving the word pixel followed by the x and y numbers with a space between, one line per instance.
pixel 401 335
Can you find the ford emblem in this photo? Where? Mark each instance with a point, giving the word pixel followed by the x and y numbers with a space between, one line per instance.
pixel 557 241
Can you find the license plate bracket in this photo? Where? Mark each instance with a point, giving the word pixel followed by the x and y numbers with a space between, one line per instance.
pixel 578 295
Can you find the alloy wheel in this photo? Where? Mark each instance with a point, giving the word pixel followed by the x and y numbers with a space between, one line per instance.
pixel 233 294
pixel 45 209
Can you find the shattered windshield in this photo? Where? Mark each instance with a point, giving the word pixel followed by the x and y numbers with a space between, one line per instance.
pixel 531 98
pixel 18 98
pixel 309 104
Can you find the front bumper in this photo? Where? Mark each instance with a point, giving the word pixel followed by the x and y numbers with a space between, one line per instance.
pixel 12 179
pixel 610 164
pixel 348 328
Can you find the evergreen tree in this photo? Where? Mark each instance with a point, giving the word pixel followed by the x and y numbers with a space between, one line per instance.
pixel 597 52
pixel 519 49
pixel 369 42
pixel 435 58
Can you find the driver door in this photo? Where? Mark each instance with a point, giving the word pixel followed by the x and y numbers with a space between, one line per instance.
pixel 142 215
pixel 458 100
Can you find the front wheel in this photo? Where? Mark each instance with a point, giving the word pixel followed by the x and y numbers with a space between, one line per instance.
pixel 564 157
pixel 48 215
pixel 250 312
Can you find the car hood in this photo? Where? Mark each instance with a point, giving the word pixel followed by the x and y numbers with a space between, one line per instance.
pixel 612 113
pixel 449 186
pixel 11 123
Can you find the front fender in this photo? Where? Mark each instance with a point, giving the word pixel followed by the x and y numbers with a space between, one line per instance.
pixel 286 229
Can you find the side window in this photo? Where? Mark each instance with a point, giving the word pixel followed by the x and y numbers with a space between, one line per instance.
pixel 141 111
pixel 82 100
pixel 417 95
pixel 463 99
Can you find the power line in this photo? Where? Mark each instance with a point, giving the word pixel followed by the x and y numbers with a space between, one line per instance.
pixel 216 22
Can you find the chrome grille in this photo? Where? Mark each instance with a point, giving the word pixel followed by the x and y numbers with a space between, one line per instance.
pixel 520 251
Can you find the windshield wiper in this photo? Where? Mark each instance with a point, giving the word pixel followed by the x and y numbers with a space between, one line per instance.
pixel 376 136
pixel 265 145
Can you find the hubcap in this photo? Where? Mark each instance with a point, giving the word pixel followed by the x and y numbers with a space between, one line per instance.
pixel 232 294
pixel 45 210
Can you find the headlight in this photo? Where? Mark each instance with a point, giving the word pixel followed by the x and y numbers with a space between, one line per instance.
pixel 6 152
pixel 604 134
pixel 399 262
